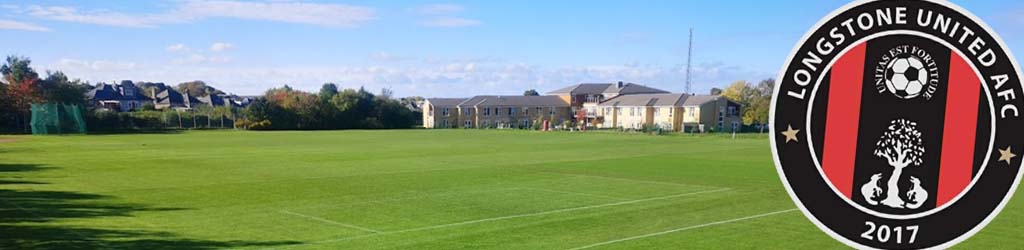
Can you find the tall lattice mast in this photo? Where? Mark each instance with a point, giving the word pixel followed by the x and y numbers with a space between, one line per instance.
pixel 689 59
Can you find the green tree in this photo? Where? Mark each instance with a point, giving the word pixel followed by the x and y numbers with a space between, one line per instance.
pixel 56 88
pixel 531 92
pixel 198 88
pixel 328 91
pixel 352 106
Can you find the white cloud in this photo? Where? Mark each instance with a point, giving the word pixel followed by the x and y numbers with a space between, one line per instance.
pixel 100 17
pixel 450 22
pixel 443 16
pixel 333 15
pixel 178 48
pixel 221 46
pixel 100 65
pixel 15 25
pixel 328 15
pixel 439 9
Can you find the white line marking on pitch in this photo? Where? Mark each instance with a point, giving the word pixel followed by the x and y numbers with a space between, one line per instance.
pixel 329 221
pixel 633 180
pixel 529 214
pixel 572 193
pixel 684 229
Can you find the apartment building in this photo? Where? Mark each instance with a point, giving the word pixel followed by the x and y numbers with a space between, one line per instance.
pixel 512 111
pixel 441 112
pixel 594 105
pixel 582 94
pixel 674 112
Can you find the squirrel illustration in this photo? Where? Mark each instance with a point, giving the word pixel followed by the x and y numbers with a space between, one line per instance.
pixel 871 190
pixel 917 195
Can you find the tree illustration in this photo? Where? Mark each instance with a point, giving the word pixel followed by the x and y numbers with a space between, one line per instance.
pixel 901 146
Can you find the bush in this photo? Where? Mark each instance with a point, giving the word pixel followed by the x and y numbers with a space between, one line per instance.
pixel 260 125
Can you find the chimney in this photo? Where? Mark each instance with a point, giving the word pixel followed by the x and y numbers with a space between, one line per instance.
pixel 619 84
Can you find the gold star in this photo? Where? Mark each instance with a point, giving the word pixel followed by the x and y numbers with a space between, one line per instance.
pixel 1006 155
pixel 790 134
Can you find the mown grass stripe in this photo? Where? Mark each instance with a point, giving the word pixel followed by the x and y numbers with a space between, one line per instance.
pixel 527 215
pixel 684 229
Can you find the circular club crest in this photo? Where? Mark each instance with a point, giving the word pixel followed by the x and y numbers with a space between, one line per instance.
pixel 896 124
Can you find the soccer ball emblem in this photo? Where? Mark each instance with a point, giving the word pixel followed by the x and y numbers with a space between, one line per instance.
pixel 906 76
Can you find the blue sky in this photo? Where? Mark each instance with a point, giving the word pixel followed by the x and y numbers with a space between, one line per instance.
pixel 425 48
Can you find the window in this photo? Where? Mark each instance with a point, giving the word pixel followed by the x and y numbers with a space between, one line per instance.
pixel 632 111
pixel 551 110
pixel 467 112
pixel 657 111
pixel 692 111
pixel 524 123
pixel 496 112
pixel 526 111
pixel 670 111
pixel 539 110
pixel 444 123
pixel 445 112
pixel 485 124
pixel 511 111
pixel 467 124
pixel 487 111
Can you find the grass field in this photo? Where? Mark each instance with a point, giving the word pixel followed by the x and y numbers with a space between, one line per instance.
pixel 415 189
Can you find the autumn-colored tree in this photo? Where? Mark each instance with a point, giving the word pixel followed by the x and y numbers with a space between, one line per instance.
pixel 756 100
pixel 21 90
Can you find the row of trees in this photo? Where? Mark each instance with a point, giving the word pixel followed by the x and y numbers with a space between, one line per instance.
pixel 331 108
pixel 755 98
pixel 281 108
pixel 21 86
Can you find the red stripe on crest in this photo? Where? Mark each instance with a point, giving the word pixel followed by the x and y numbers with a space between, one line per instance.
pixel 843 118
pixel 957 162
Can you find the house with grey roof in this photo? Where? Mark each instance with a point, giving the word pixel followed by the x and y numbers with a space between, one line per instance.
pixel 582 93
pixel 119 97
